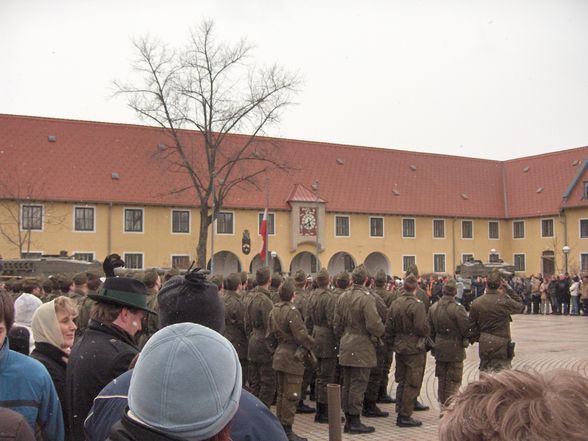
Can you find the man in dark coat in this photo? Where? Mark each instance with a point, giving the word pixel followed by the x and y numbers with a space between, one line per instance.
pixel 106 348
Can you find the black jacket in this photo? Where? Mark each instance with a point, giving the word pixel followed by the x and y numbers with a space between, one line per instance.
pixel 128 430
pixel 103 353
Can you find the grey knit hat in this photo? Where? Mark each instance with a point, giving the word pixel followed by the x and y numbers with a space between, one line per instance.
pixel 187 382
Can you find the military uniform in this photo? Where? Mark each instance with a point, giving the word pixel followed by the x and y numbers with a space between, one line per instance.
pixel 450 329
pixel 285 324
pixel 359 326
pixel 300 302
pixel 490 322
pixel 235 326
pixel 406 330
pixel 262 379
pixel 150 324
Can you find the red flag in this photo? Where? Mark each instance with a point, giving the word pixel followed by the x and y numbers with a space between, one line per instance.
pixel 263 232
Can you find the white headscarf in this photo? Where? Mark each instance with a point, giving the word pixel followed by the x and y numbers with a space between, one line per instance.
pixel 46 326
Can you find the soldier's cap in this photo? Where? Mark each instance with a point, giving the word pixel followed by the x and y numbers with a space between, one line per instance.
pixel 412 269
pixel 494 277
pixel 343 276
pixel 300 276
pixel 451 284
pixel 123 291
pixel 217 280
pixel 411 279
pixel 322 276
pixel 359 274
pixel 380 276
pixel 80 279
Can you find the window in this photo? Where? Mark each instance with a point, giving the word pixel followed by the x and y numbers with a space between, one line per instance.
pixel 584 228
pixel 494 258
pixel 376 227
pixel 467 229
pixel 271 223
pixel 86 256
pixel 224 222
pixel 519 262
pixel 180 221
pixel 408 228
pixel 32 217
pixel 348 263
pixel 493 230
pixel 133 220
pixel 342 226
pixel 180 261
pixel 439 228
pixel 584 262
pixel 467 258
pixel 439 263
pixel 84 218
pixel 585 195
pixel 518 230
pixel 407 262
pixel 133 260
pixel 546 227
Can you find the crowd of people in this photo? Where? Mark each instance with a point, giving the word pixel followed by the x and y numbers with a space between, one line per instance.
pixel 149 356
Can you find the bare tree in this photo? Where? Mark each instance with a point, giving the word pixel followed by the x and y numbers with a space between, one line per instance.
pixel 216 90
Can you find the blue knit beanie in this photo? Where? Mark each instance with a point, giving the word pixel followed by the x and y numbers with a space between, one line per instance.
pixel 187 382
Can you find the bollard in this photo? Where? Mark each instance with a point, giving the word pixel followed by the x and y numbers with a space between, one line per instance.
pixel 334 405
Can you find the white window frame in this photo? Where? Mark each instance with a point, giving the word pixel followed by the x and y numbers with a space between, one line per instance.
pixel 525 262
pixel 269 213
pixel 444 263
pixel 135 252
pixel 580 228
pixel 93 253
pixel 472 222
pixel 402 228
pixel 467 254
pixel 93 230
pixel 171 222
pixel 232 224
pixel 370 227
pixel 124 220
pixel 498 224
pixel 433 229
pixel 171 258
pixel 404 270
pixel 524 230
pixel 541 228
pixel 42 217
pixel 348 225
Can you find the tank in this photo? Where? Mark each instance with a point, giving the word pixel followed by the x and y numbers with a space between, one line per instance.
pixel 474 268
pixel 46 266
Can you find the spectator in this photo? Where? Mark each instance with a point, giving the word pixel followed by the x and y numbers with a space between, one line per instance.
pixel 545 299
pixel 584 295
pixel 186 385
pixel 575 295
pixel 14 427
pixel 25 385
pixel 54 331
pixel 516 405
pixel 24 308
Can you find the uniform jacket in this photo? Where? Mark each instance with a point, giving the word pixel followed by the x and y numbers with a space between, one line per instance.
pixel 235 322
pixel 359 326
pixel 406 325
pixel 287 327
pixel 27 388
pixel 301 300
pixel 257 312
pixel 386 295
pixel 100 355
pixel 319 322
pixel 449 325
pixel 83 317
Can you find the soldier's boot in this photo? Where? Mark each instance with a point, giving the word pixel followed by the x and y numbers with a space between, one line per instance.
pixel 386 399
pixel 418 406
pixel 404 421
pixel 291 435
pixel 322 415
pixel 353 425
pixel 371 410
pixel 303 408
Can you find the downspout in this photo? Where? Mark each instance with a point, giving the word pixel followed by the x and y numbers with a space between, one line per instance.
pixel 109 230
pixel 453 244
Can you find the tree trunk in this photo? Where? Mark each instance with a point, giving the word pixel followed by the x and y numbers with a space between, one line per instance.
pixel 202 237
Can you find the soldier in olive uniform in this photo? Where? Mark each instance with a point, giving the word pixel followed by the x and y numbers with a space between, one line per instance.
pixel 359 327
pixel 490 317
pixel 94 284
pixel 450 330
pixel 274 287
pixel 286 326
pixel 262 378
pixel 235 319
pixel 406 330
pixel 150 323
pixel 319 322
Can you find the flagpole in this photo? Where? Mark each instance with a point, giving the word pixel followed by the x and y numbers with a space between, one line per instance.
pixel 267 229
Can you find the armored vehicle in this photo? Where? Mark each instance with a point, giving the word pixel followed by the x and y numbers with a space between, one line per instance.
pixel 46 266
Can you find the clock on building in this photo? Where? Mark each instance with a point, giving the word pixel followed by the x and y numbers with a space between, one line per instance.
pixel 308 221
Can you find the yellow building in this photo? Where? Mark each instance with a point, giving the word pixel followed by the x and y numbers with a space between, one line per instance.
pixel 94 188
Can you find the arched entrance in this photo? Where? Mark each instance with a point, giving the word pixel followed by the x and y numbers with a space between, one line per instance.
pixel 225 263
pixel 341 261
pixel 548 263
pixel 376 261
pixel 275 264
pixel 305 261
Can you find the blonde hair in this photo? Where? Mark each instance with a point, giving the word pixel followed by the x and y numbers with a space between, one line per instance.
pixel 66 304
pixel 514 405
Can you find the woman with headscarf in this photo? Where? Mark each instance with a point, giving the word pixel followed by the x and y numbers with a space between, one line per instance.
pixel 54 331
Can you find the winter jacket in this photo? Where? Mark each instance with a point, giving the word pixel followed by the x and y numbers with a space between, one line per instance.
pixel 14 426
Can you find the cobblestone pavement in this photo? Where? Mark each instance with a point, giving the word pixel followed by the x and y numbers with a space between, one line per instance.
pixel 543 343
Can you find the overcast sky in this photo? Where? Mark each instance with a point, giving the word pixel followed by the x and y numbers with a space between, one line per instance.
pixel 494 79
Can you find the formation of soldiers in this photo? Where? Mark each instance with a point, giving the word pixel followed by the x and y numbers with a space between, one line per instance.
pixel 296 334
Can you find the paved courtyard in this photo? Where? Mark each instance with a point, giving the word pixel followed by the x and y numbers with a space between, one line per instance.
pixel 543 343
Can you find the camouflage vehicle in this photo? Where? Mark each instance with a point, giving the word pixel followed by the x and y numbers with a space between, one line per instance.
pixel 474 268
pixel 44 267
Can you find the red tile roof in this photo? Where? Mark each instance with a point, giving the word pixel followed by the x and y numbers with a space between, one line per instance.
pixel 302 194
pixel 78 167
